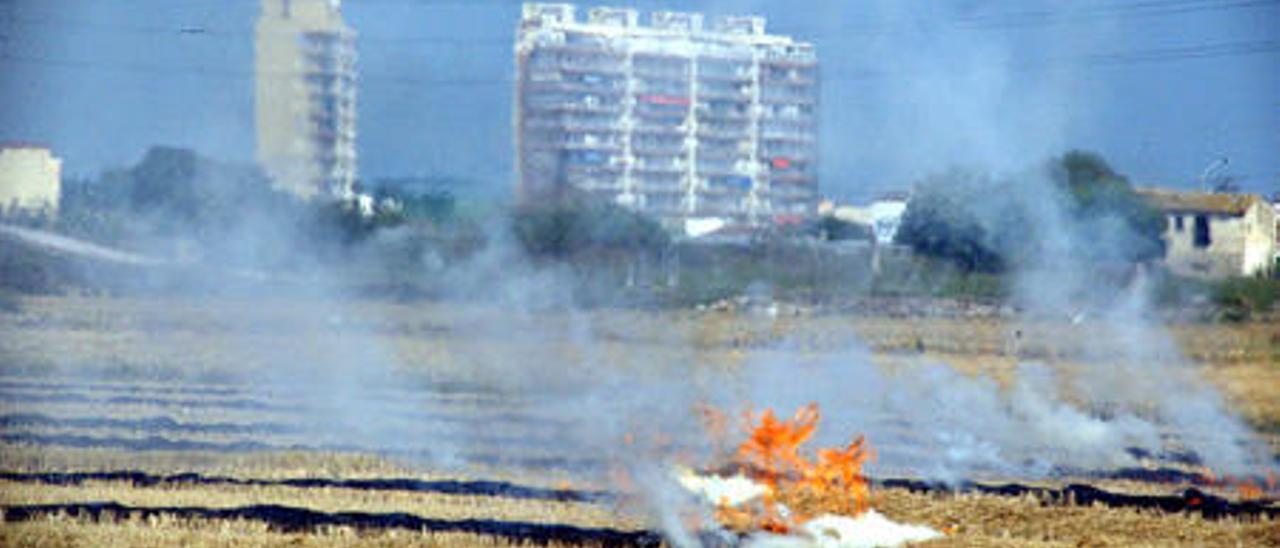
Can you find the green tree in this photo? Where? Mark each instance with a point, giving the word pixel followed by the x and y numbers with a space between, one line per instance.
pixel 940 222
pixel 985 224
pixel 1120 224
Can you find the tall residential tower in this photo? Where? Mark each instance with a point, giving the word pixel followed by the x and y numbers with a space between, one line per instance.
pixel 306 97
pixel 677 119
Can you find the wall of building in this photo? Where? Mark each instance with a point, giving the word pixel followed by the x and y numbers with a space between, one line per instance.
pixel 30 180
pixel 1259 239
pixel 676 118
pixel 305 97
pixel 1275 212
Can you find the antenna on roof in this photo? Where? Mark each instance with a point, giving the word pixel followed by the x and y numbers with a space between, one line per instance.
pixel 1213 167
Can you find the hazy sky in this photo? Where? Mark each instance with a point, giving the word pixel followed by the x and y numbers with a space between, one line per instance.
pixel 1161 87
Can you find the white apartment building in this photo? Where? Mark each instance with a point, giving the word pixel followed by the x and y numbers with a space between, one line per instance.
pixel 306 97
pixel 676 118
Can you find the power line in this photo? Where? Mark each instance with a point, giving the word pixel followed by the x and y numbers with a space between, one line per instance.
pixel 205 31
pixel 995 21
pixel 1137 9
pixel 1160 55
pixel 232 73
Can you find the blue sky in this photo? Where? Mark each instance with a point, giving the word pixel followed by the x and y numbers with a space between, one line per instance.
pixel 1162 88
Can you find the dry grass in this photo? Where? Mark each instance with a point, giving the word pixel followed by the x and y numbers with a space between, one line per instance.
pixel 265 465
pixel 190 342
pixel 969 520
pixel 978 520
pixel 63 531
pixel 330 500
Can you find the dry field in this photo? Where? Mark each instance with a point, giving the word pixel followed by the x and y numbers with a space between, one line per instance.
pixel 243 390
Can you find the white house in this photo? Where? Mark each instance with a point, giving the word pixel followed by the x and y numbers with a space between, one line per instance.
pixel 1215 235
pixel 30 179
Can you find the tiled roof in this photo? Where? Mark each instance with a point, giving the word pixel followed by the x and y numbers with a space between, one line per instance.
pixel 1199 202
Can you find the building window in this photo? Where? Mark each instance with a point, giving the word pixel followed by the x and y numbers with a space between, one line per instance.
pixel 1201 237
pixel 1177 222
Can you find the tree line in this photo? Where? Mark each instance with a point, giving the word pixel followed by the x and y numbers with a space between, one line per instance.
pixel 1073 208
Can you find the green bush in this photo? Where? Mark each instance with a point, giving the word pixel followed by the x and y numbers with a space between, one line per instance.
pixel 1242 298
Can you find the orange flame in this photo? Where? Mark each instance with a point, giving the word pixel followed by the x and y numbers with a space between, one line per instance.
pixel 1249 491
pixel 829 482
pixel 773 447
pixel 1246 489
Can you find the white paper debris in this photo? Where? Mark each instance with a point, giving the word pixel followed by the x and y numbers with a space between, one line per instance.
pixel 868 530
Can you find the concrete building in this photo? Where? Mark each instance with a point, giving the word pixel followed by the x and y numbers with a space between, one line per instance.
pixel 30 180
pixel 306 97
pixel 1216 235
pixel 676 118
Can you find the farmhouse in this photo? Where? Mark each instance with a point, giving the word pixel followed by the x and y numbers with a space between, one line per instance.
pixel 1214 235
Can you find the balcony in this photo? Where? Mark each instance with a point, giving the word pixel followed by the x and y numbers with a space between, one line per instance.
pixel 774 98
pixel 800 179
pixel 718 146
pixel 595 48
pixel 671 112
pixel 788 137
pixel 659 147
pixel 594 184
pixel 788 74
pixel 592 68
pixel 662 87
pixel 722 150
pixel 801 55
pixel 724 132
pixel 578 144
pixel 705 113
pixel 574 108
pixel 610 89
pixel 660 164
pixel 570 124
pixel 726 71
pixel 661 188
pixel 649 127
pixel 787 125
pixel 794 114
pixel 656 74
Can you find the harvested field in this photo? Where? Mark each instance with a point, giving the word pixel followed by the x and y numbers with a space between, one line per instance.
pixel 167 398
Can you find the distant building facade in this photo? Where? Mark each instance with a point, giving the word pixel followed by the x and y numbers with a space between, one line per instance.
pixel 1216 235
pixel 882 216
pixel 678 119
pixel 30 180
pixel 306 97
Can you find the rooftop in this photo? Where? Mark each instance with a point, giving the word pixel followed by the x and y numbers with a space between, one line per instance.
pixel 1199 202
pixel 23 145
pixel 627 22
